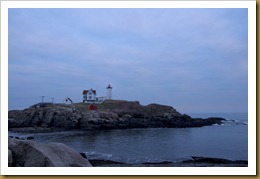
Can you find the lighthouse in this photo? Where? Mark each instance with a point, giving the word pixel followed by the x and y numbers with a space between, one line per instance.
pixel 109 91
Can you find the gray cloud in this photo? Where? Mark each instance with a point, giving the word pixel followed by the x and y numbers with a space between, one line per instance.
pixel 192 59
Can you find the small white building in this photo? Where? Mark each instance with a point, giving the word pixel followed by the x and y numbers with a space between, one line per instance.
pixel 90 96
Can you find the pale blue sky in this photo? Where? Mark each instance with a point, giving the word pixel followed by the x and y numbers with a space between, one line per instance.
pixel 195 60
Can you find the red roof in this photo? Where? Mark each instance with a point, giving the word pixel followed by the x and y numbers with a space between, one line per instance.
pixel 86 91
pixel 92 107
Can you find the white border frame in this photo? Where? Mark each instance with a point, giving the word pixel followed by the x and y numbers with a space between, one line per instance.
pixel 250 170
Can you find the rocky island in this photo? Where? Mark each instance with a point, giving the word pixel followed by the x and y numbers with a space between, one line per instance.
pixel 111 114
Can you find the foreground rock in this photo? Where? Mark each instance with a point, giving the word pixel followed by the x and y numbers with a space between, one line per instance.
pixel 25 153
pixel 110 115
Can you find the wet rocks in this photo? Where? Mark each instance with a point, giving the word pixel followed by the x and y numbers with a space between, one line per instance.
pixel 216 161
pixel 30 138
pixel 193 162
pixel 108 163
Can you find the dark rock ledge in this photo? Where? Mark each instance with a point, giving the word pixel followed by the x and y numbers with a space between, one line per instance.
pixel 194 162
pixel 111 114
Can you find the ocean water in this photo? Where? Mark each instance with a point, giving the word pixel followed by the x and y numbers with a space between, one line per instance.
pixel 135 146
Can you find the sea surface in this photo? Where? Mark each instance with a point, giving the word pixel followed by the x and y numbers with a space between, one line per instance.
pixel 135 146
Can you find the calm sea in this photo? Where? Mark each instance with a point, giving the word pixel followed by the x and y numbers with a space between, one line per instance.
pixel 135 146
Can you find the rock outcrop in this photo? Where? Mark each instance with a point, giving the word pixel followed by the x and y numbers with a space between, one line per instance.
pixel 114 115
pixel 24 153
pixel 194 162
pixel 215 162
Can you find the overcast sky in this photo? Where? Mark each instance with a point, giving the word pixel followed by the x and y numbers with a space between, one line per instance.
pixel 192 59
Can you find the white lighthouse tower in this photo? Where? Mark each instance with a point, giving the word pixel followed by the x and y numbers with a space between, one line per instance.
pixel 109 91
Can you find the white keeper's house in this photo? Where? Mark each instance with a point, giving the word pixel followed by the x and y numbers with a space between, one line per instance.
pixel 90 96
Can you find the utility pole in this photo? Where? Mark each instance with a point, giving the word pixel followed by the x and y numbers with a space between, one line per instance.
pixel 42 98
pixel 52 100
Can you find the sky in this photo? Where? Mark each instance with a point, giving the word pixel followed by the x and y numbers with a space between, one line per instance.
pixel 195 60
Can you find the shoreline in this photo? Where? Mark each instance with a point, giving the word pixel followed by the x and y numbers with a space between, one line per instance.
pixel 205 162
pixel 194 161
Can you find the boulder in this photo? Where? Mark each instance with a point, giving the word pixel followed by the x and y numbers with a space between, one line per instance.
pixel 59 120
pixel 72 121
pixel 159 110
pixel 35 121
pixel 108 115
pixel 88 120
pixel 14 113
pixel 24 153
pixel 47 118
pixel 126 116
pixel 12 123
pixel 10 158
pixel 98 120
